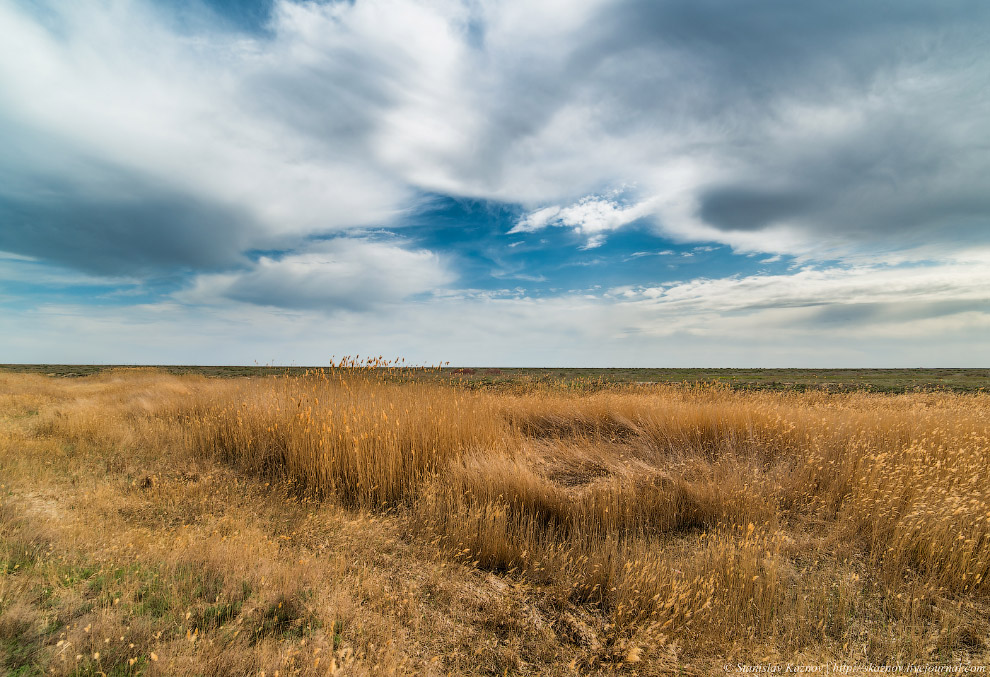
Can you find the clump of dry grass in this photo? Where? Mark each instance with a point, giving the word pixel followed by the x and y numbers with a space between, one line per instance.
pixel 351 432
pixel 645 528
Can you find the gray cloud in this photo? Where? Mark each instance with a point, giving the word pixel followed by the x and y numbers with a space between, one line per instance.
pixel 143 231
pixel 741 208
pixel 854 315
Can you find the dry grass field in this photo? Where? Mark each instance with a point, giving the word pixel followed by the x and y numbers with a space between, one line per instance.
pixel 358 521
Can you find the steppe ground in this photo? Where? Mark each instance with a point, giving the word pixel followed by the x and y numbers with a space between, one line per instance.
pixel 378 520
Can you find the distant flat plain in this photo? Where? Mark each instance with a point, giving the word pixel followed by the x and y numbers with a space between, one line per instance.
pixel 834 380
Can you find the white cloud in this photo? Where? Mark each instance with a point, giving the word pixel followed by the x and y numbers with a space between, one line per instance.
pixel 591 217
pixel 907 285
pixel 536 220
pixel 342 273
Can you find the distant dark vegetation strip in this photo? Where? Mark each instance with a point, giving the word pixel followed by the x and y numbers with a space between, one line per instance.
pixel 800 380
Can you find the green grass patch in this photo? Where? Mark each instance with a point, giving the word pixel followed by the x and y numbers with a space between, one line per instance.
pixel 217 615
pixel 16 559
pixel 153 598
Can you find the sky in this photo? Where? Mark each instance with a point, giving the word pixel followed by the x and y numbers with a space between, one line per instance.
pixel 651 183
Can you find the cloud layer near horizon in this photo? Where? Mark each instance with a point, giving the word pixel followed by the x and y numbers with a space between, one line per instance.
pixel 875 318
pixel 253 166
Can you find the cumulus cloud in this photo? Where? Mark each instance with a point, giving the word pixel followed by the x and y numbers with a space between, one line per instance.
pixel 591 217
pixel 342 273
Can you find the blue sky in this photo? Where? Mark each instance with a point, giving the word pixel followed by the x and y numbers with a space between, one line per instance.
pixel 532 183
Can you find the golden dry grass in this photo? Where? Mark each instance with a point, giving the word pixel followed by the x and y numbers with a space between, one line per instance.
pixel 360 521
